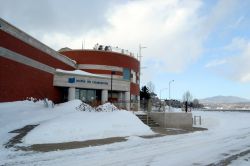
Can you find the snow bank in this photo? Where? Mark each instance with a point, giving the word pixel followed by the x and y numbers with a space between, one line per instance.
pixel 19 105
pixel 64 123
pixel 15 115
pixel 68 106
pixel 107 107
pixel 85 107
pixel 81 126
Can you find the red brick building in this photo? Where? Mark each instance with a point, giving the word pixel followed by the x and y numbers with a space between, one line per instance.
pixel 29 68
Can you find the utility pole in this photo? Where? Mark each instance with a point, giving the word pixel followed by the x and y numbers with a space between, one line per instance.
pixel 140 56
pixel 163 100
pixel 169 93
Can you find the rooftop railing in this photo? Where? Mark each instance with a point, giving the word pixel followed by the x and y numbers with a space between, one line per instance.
pixel 113 49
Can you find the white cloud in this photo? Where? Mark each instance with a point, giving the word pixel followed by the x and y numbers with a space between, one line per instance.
pixel 238 22
pixel 236 66
pixel 240 61
pixel 167 28
pixel 216 62
pixel 173 31
pixel 170 29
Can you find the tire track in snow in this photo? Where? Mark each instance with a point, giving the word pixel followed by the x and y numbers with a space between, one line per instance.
pixel 231 158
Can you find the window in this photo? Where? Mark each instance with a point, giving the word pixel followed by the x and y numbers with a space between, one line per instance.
pixel 126 74
pixel 85 95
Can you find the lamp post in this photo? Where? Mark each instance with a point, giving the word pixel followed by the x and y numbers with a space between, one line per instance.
pixel 164 107
pixel 139 58
pixel 160 96
pixel 161 91
pixel 140 48
pixel 112 73
pixel 169 93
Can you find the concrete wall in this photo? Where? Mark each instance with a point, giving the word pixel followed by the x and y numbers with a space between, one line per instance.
pixel 173 119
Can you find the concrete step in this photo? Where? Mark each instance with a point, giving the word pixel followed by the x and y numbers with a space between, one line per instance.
pixel 148 121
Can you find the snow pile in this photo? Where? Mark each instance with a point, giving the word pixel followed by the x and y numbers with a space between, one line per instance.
pixel 85 107
pixel 81 126
pixel 20 105
pixel 69 106
pixel 107 107
pixel 64 123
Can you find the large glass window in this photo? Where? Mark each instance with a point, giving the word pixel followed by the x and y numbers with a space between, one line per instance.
pixel 86 95
pixel 126 73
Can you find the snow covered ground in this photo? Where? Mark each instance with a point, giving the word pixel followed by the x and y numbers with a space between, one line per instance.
pixel 66 123
pixel 228 134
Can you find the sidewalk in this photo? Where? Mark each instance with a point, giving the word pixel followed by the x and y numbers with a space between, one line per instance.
pixel 159 132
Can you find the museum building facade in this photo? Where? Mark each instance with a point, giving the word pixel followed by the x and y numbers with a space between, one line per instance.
pixel 29 68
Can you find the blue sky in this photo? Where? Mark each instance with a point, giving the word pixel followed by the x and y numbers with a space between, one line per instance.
pixel 203 78
pixel 203 45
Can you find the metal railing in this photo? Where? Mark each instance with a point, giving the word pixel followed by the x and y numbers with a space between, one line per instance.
pixel 195 119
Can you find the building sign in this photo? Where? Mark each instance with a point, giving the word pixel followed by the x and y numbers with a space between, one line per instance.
pixel 86 81
pixel 72 80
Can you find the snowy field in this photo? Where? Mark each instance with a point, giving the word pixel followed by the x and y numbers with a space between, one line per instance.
pixel 228 134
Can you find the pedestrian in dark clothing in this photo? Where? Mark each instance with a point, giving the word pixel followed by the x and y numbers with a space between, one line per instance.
pixel 186 106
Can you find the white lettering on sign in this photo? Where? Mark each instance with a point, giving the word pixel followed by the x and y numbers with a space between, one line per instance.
pixel 91 82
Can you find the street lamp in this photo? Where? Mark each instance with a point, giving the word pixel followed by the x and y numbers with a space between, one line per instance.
pixel 169 93
pixel 112 73
pixel 162 90
pixel 140 48
pixel 164 107
pixel 160 96
pixel 139 58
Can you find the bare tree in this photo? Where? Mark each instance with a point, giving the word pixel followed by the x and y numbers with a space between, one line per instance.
pixel 196 103
pixel 187 97
pixel 151 87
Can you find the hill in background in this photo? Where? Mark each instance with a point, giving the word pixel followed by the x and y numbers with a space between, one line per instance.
pixel 226 103
pixel 224 99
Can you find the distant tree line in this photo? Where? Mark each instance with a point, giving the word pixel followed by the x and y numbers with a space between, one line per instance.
pixel 178 104
pixel 147 93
